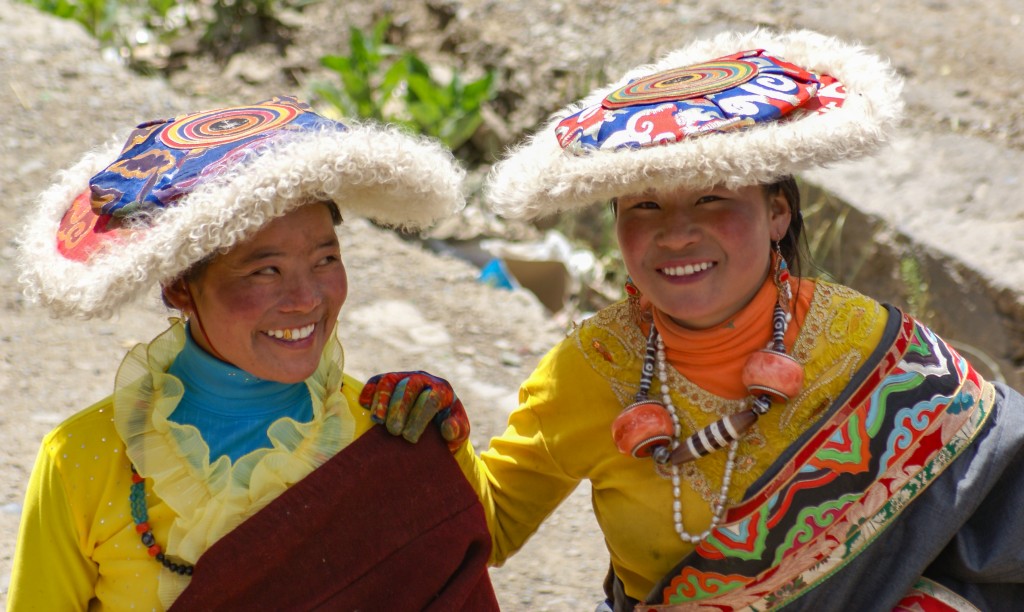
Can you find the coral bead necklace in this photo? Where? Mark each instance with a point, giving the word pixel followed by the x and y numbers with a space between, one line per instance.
pixel 140 515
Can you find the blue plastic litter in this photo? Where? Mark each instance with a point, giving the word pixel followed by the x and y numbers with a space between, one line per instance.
pixel 495 273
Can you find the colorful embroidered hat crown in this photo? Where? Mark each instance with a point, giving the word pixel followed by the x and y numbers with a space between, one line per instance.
pixel 187 187
pixel 735 110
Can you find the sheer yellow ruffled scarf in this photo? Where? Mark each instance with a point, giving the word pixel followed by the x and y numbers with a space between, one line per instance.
pixel 211 499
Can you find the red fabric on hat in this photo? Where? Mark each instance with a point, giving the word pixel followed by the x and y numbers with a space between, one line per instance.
pixel 384 525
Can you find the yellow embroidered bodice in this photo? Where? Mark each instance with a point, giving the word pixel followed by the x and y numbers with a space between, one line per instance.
pixel 841 329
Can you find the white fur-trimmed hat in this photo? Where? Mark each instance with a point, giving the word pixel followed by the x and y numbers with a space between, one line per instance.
pixel 735 110
pixel 115 224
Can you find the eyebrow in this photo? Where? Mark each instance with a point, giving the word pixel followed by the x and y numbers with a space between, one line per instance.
pixel 643 195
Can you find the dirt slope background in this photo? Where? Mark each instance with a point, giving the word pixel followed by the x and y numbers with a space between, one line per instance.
pixel 947 191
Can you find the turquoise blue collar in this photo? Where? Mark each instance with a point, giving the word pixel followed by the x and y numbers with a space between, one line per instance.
pixel 231 408
pixel 219 386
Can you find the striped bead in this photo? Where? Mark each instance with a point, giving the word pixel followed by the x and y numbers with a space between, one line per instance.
pixel 719 434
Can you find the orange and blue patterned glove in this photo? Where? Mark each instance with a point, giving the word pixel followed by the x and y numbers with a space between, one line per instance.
pixel 407 402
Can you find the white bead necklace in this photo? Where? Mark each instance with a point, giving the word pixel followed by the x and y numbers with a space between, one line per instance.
pixel 718 508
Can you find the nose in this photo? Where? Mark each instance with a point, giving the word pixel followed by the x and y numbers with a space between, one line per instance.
pixel 302 294
pixel 678 230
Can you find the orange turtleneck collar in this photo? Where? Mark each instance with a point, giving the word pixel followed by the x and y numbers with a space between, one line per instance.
pixel 713 358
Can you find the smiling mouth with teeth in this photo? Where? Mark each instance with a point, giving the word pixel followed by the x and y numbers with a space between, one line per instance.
pixel 297 333
pixel 687 270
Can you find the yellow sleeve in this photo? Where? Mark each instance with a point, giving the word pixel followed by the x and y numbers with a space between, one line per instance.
pixel 543 454
pixel 51 570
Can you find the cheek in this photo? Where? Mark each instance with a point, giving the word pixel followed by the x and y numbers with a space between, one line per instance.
pixel 748 232
pixel 628 237
pixel 336 289
pixel 749 240
pixel 239 303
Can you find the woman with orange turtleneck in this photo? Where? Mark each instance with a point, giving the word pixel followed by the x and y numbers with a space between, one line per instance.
pixel 753 439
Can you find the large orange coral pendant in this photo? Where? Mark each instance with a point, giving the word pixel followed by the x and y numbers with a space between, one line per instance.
pixel 772 373
pixel 642 427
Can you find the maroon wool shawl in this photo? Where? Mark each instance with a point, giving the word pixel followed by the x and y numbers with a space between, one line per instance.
pixel 384 525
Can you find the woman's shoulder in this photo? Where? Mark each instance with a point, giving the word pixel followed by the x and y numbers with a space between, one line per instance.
pixel 90 424
pixel 830 291
pixel 607 346
pixel 610 335
pixel 838 314
pixel 839 331
pixel 85 445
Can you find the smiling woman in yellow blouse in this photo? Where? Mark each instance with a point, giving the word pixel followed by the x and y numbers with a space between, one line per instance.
pixel 217 473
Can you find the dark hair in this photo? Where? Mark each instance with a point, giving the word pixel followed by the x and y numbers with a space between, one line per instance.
pixel 196 270
pixel 790 243
pixel 335 213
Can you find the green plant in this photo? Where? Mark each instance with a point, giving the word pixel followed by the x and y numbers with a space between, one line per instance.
pixel 98 17
pixel 379 81
pixel 450 112
pixel 367 81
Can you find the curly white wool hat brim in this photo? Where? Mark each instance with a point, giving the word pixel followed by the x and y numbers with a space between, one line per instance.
pixel 368 170
pixel 540 178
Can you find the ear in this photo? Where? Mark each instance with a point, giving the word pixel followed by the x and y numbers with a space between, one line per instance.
pixel 176 294
pixel 779 215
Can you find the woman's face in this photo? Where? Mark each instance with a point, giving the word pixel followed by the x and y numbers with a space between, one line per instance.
pixel 270 305
pixel 700 256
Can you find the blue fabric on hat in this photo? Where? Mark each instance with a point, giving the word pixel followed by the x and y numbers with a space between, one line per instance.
pixel 716 96
pixel 164 160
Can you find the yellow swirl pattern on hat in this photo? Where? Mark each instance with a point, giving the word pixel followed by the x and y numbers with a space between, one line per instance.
pixel 683 83
pixel 218 127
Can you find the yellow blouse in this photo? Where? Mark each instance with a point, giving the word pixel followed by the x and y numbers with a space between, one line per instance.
pixel 78 548
pixel 561 434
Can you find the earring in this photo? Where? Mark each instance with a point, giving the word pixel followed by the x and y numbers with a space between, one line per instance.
pixel 772 375
pixel 780 274
pixel 633 298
